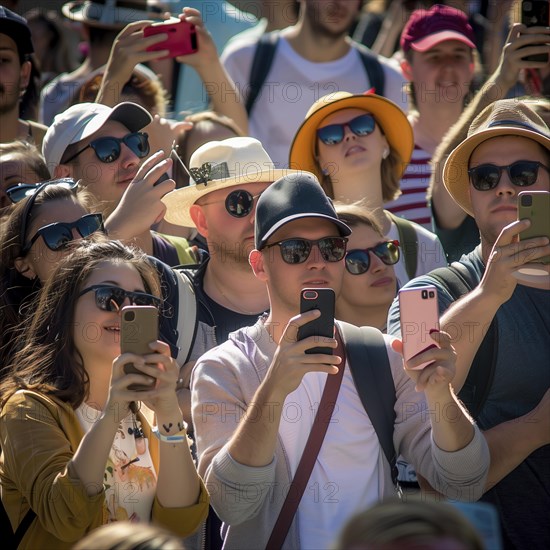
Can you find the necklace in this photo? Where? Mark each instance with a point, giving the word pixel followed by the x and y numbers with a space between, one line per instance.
pixel 233 305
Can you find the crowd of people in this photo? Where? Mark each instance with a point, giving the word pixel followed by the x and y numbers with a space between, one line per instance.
pixel 367 147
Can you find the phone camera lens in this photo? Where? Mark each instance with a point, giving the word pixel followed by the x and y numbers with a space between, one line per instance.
pixel 310 295
pixel 424 294
pixel 129 316
pixel 526 200
pixel 432 294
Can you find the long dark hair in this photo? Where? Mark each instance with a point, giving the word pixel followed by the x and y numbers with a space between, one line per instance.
pixel 48 360
pixel 17 291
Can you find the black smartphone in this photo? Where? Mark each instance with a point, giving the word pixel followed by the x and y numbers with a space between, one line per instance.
pixel 536 13
pixel 321 328
pixel 139 327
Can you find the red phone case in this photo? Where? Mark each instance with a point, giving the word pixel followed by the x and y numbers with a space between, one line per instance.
pixel 182 37
pixel 419 316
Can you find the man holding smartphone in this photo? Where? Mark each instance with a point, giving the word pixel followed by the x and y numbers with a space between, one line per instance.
pixel 253 406
pixel 507 312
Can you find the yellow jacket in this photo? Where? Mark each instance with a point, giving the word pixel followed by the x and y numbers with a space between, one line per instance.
pixel 38 436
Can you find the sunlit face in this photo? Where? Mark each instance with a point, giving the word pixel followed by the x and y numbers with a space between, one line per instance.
pixel 378 285
pixel 106 181
pixel 97 332
pixel 285 281
pixel 495 209
pixel 14 170
pixel 229 238
pixel 330 19
pixel 441 74
pixel 40 259
pixel 354 154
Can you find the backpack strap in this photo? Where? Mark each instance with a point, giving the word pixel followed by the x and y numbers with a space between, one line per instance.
pixel 370 368
pixel 261 64
pixel 409 243
pixel 187 319
pixel 458 281
pixel 373 68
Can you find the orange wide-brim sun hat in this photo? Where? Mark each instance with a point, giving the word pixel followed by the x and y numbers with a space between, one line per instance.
pixel 389 117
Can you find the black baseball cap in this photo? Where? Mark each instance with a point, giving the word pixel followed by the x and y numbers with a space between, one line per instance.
pixel 15 26
pixel 290 198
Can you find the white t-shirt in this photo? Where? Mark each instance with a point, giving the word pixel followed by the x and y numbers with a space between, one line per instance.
pixel 326 505
pixel 293 84
pixel 430 253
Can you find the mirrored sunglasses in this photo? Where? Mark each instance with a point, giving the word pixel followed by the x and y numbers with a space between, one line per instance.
pixel 238 203
pixel 358 261
pixel 297 251
pixel 522 173
pixel 112 298
pixel 363 125
pixel 58 235
pixel 107 149
pixel 21 191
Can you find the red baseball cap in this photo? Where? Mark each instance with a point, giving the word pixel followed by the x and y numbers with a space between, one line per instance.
pixel 425 29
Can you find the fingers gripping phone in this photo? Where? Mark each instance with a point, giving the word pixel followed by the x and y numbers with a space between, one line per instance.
pixel 321 328
pixel 419 315
pixel 182 37
pixel 139 327
pixel 535 206
pixel 535 13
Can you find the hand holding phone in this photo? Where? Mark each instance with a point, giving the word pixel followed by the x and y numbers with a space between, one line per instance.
pixel 419 316
pixel 321 328
pixel 139 327
pixel 182 37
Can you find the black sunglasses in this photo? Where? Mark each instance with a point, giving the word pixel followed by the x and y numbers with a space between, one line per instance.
pixel 297 251
pixel 358 261
pixel 107 149
pixel 111 298
pixel 59 234
pixel 21 191
pixel 32 194
pixel 238 203
pixel 522 173
pixel 363 125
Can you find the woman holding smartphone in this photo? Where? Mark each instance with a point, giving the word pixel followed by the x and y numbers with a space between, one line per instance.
pixel 80 449
pixel 358 146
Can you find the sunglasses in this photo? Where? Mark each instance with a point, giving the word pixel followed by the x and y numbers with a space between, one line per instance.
pixel 238 203
pixel 107 149
pixel 58 235
pixel 112 298
pixel 521 173
pixel 32 193
pixel 297 251
pixel 363 125
pixel 358 261
pixel 22 191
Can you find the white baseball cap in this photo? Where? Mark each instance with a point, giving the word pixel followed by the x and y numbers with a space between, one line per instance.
pixel 84 119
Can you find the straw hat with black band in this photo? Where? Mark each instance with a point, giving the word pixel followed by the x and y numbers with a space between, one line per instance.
pixel 389 117
pixel 111 14
pixel 507 117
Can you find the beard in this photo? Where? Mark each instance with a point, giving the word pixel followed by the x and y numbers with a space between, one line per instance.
pixel 234 253
pixel 9 101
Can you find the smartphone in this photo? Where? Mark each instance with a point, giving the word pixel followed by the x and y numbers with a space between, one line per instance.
pixel 182 37
pixel 535 205
pixel 139 327
pixel 322 328
pixel 419 315
pixel 536 13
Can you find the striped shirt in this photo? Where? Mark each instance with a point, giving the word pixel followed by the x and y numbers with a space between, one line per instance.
pixel 412 203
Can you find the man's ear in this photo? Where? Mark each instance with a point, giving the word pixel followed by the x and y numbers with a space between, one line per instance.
pixel 62 171
pixel 24 267
pixel 406 69
pixel 25 74
pixel 197 215
pixel 256 261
